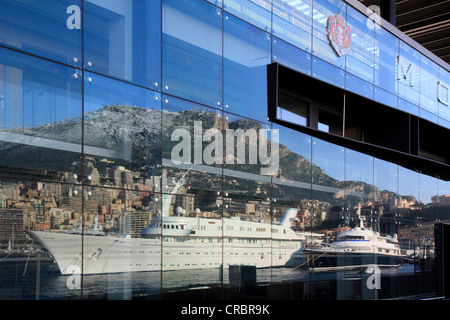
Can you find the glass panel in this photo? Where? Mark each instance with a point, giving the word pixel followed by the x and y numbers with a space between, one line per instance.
pixel 256 12
pixel 121 244
pixel 328 73
pixel 292 22
pixel 122 135
pixel 48 28
pixel 251 150
pixel 122 39
pixel 359 86
pixel 218 3
pixel 246 56
pixel 408 73
pixel 384 218
pixel 360 60
pixel 192 243
pixel 192 150
pixel 428 189
pixel 192 146
pixel 443 200
pixel 322 47
pixel 404 208
pixel 33 223
pixel 192 45
pixel 364 247
pixel 429 80
pixel 326 213
pixel 40 116
pixel 291 192
pixel 292 109
pixel 428 115
pixel 386 52
pixel 408 107
pixel 290 56
pixel 385 97
pixel 444 94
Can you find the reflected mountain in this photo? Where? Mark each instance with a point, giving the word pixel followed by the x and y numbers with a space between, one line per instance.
pixel 131 137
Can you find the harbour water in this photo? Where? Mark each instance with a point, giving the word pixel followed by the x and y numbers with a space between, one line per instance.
pixel 40 279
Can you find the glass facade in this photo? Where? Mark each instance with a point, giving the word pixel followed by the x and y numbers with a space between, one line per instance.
pixel 139 161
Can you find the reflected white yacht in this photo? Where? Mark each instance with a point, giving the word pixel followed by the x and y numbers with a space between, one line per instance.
pixel 178 242
pixel 172 243
pixel 359 246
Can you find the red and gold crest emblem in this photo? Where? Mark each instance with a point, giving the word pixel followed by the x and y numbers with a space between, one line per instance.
pixel 339 34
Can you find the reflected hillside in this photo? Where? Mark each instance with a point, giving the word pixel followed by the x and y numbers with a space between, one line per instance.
pixel 130 138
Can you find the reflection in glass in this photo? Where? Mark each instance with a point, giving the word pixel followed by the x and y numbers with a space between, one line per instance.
pixel 292 22
pixel 429 81
pixel 192 51
pixel 322 10
pixel 40 115
pixel 293 110
pixel 408 73
pixel 122 39
pixel 257 12
pixel 328 73
pixel 192 145
pixel 386 53
pixel 428 189
pixel 443 200
pixel 359 61
pixel 27 271
pixel 48 28
pixel 290 56
pixel 192 241
pixel 444 97
pixel 122 133
pixel 246 56
pixel 359 86
pixel 95 233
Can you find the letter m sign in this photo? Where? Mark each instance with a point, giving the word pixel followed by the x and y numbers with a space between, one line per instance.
pixel 405 71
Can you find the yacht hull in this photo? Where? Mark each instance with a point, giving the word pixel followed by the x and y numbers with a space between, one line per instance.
pixel 87 254
pixel 329 259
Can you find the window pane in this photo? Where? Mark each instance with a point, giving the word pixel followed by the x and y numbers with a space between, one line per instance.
pixel 192 246
pixel 326 211
pixel 443 201
pixel 429 78
pixel 408 73
pixel 328 73
pixel 385 97
pixel 292 109
pixel 292 22
pixel 192 149
pixel 246 56
pixel 256 12
pixel 192 51
pixel 359 86
pixel 365 247
pixel 33 231
pixel 122 134
pixel 290 56
pixel 359 61
pixel 48 28
pixel 122 39
pixel 192 146
pixel 408 107
pixel 444 95
pixel 114 244
pixel 322 48
pixel 40 115
pixel 386 53
pixel 291 191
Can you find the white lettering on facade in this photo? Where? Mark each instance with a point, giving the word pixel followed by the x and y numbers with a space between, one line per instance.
pixel 405 71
